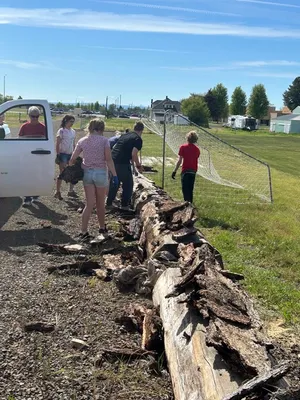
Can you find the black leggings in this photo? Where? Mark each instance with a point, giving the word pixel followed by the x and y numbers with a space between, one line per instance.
pixel 187 185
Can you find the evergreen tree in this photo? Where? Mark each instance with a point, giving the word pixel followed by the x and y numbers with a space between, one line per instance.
pixel 258 102
pixel 221 94
pixel 238 104
pixel 291 97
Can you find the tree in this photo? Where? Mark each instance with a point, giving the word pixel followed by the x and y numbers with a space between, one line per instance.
pixel 195 108
pixel 78 105
pixel 238 104
pixel 97 106
pixel 211 102
pixel 59 105
pixel 221 95
pixel 291 97
pixel 258 102
pixel 20 98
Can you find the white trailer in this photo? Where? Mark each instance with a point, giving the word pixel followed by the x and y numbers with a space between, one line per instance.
pixel 242 122
pixel 181 120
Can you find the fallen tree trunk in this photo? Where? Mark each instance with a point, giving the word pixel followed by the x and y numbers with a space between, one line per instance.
pixel 213 337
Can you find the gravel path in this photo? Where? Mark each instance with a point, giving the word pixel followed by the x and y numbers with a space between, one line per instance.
pixel 45 365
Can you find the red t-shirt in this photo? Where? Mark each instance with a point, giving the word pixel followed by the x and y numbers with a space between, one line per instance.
pixel 32 130
pixel 190 154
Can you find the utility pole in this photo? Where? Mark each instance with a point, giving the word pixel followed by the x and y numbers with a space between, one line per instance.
pixel 106 106
pixel 4 88
pixel 120 102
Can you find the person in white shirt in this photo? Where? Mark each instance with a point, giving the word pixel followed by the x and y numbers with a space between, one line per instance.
pixel 65 144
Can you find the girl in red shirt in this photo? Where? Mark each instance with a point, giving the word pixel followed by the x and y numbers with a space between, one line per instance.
pixel 188 156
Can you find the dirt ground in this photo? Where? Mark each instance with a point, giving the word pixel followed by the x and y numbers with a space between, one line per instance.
pixel 37 365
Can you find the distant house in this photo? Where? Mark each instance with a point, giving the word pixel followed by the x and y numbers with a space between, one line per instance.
pixel 159 107
pixel 273 113
pixel 289 123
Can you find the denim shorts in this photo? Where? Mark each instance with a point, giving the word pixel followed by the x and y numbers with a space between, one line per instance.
pixel 64 158
pixel 95 176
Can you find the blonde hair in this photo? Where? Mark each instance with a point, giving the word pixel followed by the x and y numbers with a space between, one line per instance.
pixel 192 137
pixel 95 124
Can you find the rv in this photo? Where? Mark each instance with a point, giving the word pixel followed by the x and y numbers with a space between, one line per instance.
pixel 242 122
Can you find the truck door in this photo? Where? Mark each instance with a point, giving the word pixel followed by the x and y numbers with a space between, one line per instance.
pixel 27 156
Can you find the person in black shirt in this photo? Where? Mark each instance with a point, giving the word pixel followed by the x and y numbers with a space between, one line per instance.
pixel 123 153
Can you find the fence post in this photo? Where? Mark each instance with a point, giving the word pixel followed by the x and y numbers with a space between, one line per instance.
pixel 164 153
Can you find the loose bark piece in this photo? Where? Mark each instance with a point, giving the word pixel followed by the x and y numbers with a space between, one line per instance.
pixel 79 344
pixel 184 234
pixel 185 217
pixel 112 261
pixel 187 279
pixel 81 266
pixel 232 275
pixel 63 249
pixel 101 274
pixel 122 355
pixel 152 328
pixel 197 371
pixel 240 346
pixel 270 377
pixel 133 317
pixel 39 326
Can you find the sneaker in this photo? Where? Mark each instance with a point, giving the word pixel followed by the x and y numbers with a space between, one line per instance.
pixel 72 193
pixel 84 237
pixel 58 196
pixel 103 231
pixel 27 202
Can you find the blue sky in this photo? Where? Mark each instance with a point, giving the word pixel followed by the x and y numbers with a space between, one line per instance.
pixel 84 51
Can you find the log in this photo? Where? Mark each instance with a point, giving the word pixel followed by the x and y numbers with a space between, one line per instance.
pixel 197 370
pixel 212 333
pixel 256 383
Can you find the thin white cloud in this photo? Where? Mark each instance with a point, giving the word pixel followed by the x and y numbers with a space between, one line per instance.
pixel 29 65
pixel 275 75
pixel 138 49
pixel 20 64
pixel 271 63
pixel 270 3
pixel 93 20
pixel 237 65
pixel 163 7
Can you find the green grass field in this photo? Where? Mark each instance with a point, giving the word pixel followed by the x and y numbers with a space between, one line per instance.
pixel 259 240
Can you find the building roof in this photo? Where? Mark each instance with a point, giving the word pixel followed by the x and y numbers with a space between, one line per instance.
pixel 159 104
pixel 296 110
pixel 288 117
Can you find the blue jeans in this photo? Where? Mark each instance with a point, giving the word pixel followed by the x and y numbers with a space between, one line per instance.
pixel 95 176
pixel 64 158
pixel 124 174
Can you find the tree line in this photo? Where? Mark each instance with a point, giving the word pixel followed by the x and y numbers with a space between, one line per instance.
pixel 214 105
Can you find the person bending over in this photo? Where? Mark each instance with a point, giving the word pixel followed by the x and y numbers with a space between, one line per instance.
pixel 124 152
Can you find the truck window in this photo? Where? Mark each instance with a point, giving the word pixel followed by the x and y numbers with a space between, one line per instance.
pixel 24 123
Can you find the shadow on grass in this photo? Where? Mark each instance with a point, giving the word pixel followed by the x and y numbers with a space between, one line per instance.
pixel 206 222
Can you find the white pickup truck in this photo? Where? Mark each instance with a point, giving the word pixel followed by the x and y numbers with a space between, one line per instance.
pixel 27 163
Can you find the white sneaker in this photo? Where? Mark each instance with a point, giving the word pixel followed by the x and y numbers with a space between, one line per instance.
pixel 26 203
